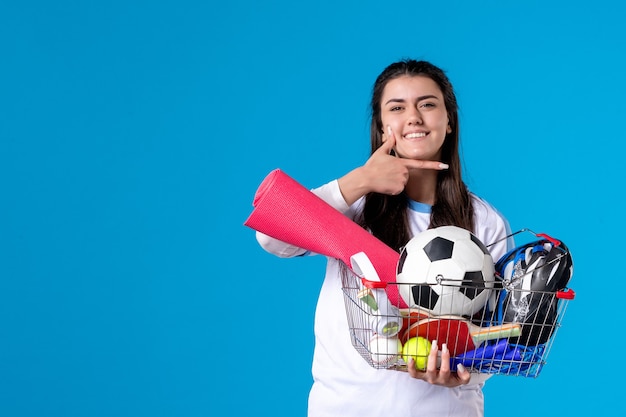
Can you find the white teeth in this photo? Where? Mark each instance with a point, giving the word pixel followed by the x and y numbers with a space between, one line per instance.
pixel 415 135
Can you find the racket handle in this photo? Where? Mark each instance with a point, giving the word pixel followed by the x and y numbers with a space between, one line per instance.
pixel 496 332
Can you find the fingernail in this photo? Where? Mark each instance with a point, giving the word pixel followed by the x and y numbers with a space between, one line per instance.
pixel 460 368
pixel 443 166
pixel 389 130
pixel 444 348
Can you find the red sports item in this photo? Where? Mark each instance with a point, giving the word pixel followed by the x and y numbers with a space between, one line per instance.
pixel 287 211
pixel 411 316
pixel 459 334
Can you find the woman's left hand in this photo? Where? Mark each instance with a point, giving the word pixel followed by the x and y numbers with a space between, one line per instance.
pixel 443 375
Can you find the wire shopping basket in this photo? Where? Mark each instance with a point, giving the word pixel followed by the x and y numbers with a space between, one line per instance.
pixel 509 329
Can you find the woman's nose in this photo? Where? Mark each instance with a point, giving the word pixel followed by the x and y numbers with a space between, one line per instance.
pixel 415 117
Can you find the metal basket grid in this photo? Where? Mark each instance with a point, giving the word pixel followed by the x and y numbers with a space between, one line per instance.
pixel 483 343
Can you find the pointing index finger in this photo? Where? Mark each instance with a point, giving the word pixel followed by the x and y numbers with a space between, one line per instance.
pixel 423 164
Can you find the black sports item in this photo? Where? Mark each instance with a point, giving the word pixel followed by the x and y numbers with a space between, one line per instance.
pixel 531 275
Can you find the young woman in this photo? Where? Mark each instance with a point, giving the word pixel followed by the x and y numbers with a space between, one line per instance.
pixel 411 182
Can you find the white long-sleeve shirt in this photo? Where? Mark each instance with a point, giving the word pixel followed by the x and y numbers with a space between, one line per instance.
pixel 344 383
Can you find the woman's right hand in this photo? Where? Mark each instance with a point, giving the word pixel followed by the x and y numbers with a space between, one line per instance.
pixel 383 173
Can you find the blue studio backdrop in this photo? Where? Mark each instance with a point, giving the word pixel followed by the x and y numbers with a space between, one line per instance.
pixel 134 134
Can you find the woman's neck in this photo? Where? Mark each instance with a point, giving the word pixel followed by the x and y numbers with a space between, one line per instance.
pixel 422 186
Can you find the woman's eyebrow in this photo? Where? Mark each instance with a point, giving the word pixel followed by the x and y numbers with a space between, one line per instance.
pixel 420 98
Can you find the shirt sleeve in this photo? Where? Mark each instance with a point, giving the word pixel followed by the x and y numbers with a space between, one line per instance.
pixel 493 229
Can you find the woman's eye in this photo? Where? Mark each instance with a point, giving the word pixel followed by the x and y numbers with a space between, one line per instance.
pixel 428 105
pixel 395 108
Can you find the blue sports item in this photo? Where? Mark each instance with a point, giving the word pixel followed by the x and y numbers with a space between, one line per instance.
pixel 503 358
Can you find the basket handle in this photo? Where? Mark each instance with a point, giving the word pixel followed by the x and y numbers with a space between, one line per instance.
pixel 363 267
pixel 567 294
pixel 552 240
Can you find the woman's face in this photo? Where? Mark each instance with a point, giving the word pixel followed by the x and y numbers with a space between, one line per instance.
pixel 414 108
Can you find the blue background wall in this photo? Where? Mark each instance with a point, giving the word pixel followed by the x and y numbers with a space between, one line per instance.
pixel 133 135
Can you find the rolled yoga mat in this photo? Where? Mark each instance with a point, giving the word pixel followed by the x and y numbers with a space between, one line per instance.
pixel 287 211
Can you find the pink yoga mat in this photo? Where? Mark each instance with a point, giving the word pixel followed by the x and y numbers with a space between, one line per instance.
pixel 287 211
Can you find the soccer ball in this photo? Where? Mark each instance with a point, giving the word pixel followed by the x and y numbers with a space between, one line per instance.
pixel 445 270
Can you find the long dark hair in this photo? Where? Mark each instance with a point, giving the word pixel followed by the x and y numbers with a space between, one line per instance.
pixel 385 215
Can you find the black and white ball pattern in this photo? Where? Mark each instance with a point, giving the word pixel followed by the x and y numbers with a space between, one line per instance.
pixel 446 270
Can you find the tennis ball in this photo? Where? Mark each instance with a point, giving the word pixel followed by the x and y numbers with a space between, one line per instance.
pixel 417 348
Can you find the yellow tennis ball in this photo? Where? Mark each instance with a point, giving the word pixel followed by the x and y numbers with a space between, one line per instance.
pixel 417 348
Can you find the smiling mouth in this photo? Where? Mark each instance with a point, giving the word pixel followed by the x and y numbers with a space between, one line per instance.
pixel 415 135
